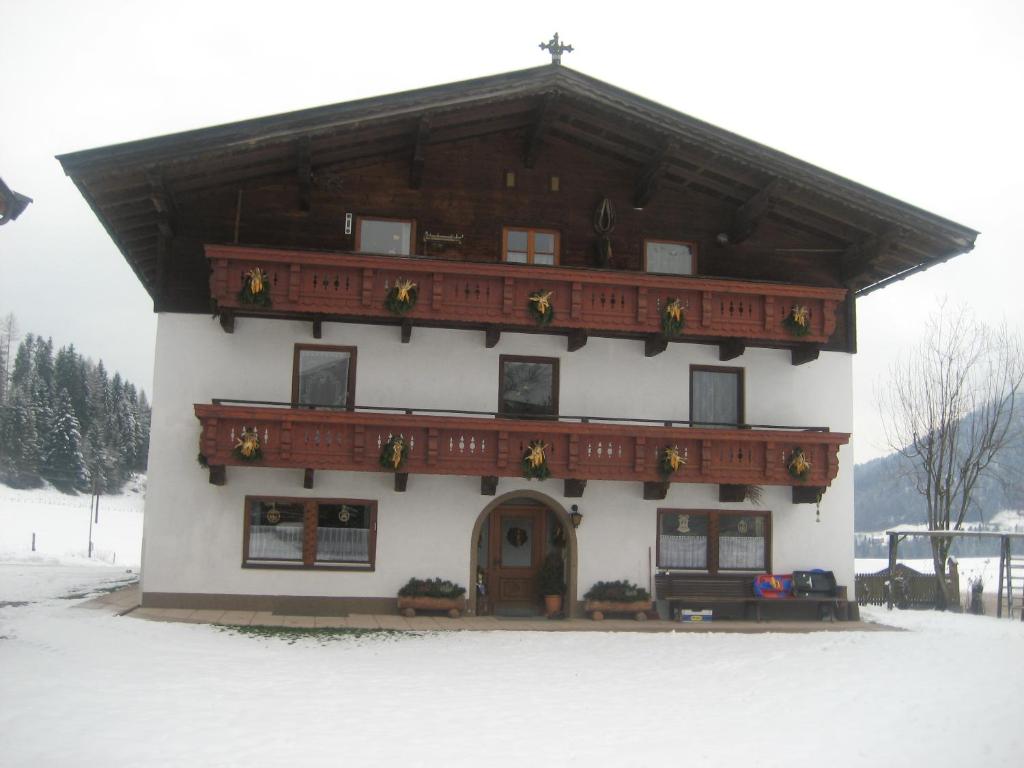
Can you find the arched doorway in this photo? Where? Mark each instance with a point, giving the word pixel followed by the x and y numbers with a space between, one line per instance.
pixel 511 537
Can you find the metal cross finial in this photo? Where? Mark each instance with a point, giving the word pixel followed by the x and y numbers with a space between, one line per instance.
pixel 556 49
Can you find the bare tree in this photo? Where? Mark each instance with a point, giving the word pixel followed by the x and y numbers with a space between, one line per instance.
pixel 948 409
pixel 8 340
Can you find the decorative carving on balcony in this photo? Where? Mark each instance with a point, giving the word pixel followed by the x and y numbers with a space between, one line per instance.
pixel 454 443
pixel 496 297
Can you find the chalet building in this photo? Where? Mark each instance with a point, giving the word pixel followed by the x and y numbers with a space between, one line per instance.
pixel 377 317
pixel 12 203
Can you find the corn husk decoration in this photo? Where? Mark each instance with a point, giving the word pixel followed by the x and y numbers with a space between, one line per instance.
pixel 798 321
pixel 247 446
pixel 671 460
pixel 402 297
pixel 535 461
pixel 541 307
pixel 799 466
pixel 672 319
pixel 393 453
pixel 255 288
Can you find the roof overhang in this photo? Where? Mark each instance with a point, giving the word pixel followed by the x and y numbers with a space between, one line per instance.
pixel 12 203
pixel 878 238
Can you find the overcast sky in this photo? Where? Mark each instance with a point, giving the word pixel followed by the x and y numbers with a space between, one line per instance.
pixel 920 100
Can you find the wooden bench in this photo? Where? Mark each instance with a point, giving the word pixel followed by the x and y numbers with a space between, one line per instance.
pixel 701 591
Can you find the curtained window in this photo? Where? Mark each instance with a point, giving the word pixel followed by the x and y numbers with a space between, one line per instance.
pixel 669 257
pixel 323 375
pixel 389 237
pixel 716 396
pixel 339 533
pixel 714 540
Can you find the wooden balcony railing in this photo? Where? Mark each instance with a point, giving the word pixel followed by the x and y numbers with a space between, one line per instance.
pixel 353 287
pixel 480 444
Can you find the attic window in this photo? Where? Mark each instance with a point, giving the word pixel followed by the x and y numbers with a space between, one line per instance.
pixel 391 237
pixel 510 179
pixel 530 246
pixel 670 257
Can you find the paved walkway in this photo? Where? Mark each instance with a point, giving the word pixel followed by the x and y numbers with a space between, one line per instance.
pixel 125 602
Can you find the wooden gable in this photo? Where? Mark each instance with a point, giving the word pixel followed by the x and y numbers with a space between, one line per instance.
pixel 439 156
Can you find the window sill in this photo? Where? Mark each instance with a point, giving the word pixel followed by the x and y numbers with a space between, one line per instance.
pixel 281 566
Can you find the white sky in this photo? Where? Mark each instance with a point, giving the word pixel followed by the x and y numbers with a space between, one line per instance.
pixel 920 100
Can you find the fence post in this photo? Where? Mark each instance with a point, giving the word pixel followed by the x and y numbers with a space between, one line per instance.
pixel 894 545
pixel 33 541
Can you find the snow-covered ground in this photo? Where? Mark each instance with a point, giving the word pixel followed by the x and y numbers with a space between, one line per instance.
pixel 60 523
pixel 86 688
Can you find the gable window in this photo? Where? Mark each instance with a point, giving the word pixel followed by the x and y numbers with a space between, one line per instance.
pixel 714 540
pixel 310 533
pixel 669 257
pixel 530 246
pixel 528 386
pixel 716 396
pixel 391 237
pixel 323 375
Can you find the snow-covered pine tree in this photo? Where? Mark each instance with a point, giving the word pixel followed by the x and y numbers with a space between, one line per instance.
pixel 63 462
pixel 19 460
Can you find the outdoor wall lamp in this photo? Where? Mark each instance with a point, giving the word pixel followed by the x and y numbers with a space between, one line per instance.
pixel 576 516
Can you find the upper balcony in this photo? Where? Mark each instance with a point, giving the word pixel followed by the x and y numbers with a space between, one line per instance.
pixel 485 445
pixel 495 297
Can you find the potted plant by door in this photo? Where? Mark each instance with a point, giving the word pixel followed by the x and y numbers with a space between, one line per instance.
pixel 552 583
pixel 617 597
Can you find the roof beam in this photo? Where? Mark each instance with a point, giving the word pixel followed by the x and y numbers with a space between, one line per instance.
pixel 419 153
pixel 747 216
pixel 860 257
pixel 304 171
pixel 541 121
pixel 162 202
pixel 647 182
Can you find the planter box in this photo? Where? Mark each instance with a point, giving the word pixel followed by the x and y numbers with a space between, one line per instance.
pixel 454 606
pixel 598 608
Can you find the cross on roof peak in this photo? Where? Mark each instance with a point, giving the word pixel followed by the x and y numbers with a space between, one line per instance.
pixel 556 49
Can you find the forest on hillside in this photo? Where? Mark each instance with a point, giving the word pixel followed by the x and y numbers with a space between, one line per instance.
pixel 64 419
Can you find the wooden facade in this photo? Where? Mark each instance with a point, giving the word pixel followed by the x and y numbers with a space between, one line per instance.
pixel 12 203
pixel 442 156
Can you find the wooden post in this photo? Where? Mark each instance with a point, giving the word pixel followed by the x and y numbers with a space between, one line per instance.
pixel 894 545
pixel 1002 572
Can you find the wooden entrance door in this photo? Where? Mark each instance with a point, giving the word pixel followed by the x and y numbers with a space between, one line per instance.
pixel 516 544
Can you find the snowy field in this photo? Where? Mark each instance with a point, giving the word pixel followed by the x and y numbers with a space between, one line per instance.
pixel 86 688
pixel 61 525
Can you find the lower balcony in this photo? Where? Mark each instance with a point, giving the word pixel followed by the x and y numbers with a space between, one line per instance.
pixel 576 449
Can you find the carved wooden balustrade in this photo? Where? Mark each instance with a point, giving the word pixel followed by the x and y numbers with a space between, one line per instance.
pixel 345 286
pixel 492 447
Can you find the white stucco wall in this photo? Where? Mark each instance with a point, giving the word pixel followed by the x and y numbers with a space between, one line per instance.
pixel 193 530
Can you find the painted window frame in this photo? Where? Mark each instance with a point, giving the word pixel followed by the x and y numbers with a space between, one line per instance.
pixel 714 526
pixel 553 361
pixel 691 244
pixel 350 399
pixel 530 251
pixel 740 372
pixel 309 563
pixel 412 234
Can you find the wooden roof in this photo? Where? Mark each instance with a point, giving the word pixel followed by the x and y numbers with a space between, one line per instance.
pixel 877 239
pixel 11 203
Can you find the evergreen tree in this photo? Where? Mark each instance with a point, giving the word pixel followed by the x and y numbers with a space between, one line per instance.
pixel 21 371
pixel 19 461
pixel 63 462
